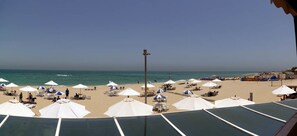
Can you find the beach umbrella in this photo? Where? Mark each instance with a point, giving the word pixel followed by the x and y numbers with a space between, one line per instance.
pixel 28 89
pixel 232 102
pixel 110 84
pixel 148 86
pixel 192 79
pixel 169 82
pixel 216 80
pixel 51 83
pixel 64 108
pixel 3 80
pixel 193 103
pixel 52 90
pixel 59 93
pixel 15 108
pixel 129 107
pixel 159 97
pixel 195 81
pixel 209 84
pixel 283 90
pixel 188 92
pixel 80 86
pixel 11 85
pixel 161 90
pixel 41 88
pixel 129 92
pixel 113 88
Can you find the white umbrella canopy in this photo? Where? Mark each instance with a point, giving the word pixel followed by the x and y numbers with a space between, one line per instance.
pixel 148 86
pixel 111 84
pixel 129 92
pixel 232 102
pixel 195 81
pixel 80 86
pixel 129 107
pixel 64 109
pixel 52 83
pixel 192 79
pixel 209 84
pixel 169 82
pixel 283 90
pixel 28 89
pixel 193 103
pixel 3 80
pixel 11 85
pixel 216 80
pixel 13 107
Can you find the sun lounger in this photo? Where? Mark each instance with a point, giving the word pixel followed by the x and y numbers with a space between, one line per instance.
pixel 160 107
pixel 217 87
pixel 49 96
pixel 210 93
pixel 148 93
pixel 112 93
pixel 40 94
pixel 197 89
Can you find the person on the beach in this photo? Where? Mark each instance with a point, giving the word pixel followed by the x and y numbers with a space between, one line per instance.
pixel 21 97
pixel 67 92
pixel 76 95
pixel 30 96
pixel 55 99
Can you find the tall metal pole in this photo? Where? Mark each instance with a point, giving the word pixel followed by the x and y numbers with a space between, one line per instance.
pixel 145 53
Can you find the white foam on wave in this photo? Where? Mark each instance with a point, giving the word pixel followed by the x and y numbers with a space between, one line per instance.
pixel 63 75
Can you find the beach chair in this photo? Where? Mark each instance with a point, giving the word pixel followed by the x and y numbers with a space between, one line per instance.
pixel 112 93
pixel 40 94
pixel 165 108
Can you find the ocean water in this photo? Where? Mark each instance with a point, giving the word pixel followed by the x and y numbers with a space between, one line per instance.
pixel 39 77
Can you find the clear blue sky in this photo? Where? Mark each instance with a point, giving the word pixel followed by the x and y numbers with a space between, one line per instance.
pixel 111 35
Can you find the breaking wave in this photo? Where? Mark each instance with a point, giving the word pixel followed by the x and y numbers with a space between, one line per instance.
pixel 63 75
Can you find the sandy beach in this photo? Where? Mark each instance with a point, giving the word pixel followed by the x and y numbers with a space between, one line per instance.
pixel 99 102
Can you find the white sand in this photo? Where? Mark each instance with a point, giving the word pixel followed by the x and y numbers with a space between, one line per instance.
pixel 99 103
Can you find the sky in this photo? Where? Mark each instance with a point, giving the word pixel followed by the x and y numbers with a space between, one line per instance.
pixel 180 35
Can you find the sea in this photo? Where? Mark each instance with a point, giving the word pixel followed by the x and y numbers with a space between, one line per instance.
pixel 64 77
